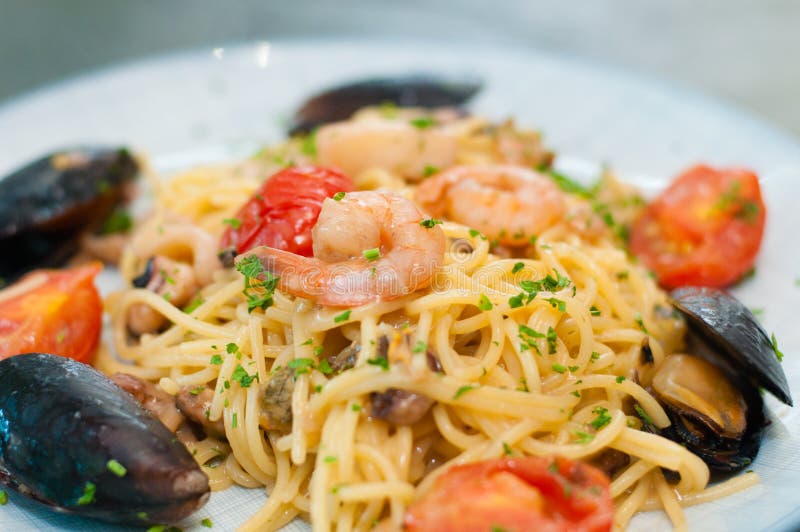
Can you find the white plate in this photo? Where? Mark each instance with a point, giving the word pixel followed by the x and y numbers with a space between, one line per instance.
pixel 212 104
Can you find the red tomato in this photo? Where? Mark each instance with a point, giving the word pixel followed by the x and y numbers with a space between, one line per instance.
pixel 515 494
pixel 52 311
pixel 283 211
pixel 704 230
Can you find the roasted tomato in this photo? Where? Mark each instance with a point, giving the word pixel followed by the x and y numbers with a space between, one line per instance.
pixel 515 494
pixel 704 230
pixel 52 311
pixel 283 211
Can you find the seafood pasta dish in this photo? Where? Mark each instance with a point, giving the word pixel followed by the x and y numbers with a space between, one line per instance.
pixel 407 320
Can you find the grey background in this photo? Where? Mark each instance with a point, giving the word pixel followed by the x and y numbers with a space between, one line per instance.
pixel 741 51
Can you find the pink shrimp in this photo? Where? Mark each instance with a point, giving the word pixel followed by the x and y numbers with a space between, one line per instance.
pixel 369 246
pixel 504 202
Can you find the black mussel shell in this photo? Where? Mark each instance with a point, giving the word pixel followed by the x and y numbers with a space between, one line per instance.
pixel 47 203
pixel 417 90
pixel 65 430
pixel 726 324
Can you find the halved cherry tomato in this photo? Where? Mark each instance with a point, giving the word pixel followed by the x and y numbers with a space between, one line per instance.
pixel 283 211
pixel 704 230
pixel 52 311
pixel 515 494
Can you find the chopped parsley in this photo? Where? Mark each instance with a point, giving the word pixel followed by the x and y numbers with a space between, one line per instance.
pixel 319 350
pixel 429 223
pixel 379 361
pixel 560 304
pixel 506 449
pixel 583 437
pixel 301 366
pixel 257 291
pixel 552 340
pixel 206 523
pixel 595 356
pixel 196 302
pixel 235 223
pixel 120 221
pixel 355 407
pixel 308 342
pixel 642 414
pixel 325 367
pixel 462 390
pixel 640 322
pixel 528 337
pixel 116 468
pixel 216 360
pixel 517 267
pixel 429 170
pixel 87 497
pixel 241 376
pixel 422 122
pixel 558 368
pixel 419 347
pixel 484 303
pixel 309 144
pixel 344 316
pixel 3 498
pixel 566 184
pixel 232 348
pixel 235 420
pixel 603 418
pixel 197 390
pixel 330 459
pixel 516 301
pixel 372 254
pixel 620 379
pixel 339 196
pixel 594 311
pixel 474 233
pixel 778 352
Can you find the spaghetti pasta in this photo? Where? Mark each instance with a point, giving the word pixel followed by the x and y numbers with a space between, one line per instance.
pixel 533 344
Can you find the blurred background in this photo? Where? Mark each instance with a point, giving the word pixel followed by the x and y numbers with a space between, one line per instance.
pixel 741 51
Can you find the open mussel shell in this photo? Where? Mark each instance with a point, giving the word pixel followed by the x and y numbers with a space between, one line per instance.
pixel 730 328
pixel 73 440
pixel 48 202
pixel 415 90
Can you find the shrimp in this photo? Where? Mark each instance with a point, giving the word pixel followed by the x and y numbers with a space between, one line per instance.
pixel 369 246
pixel 504 202
pixel 396 146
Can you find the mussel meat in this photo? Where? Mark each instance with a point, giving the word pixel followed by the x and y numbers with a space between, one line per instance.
pixel 47 203
pixel 73 440
pixel 417 90
pixel 714 402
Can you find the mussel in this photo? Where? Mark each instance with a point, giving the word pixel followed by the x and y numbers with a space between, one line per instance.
pixel 47 203
pixel 714 402
pixel 73 440
pixel 416 90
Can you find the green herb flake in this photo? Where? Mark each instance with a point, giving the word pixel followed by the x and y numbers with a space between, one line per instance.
pixel 216 360
pixel 3 498
pixel 595 356
pixel 462 390
pixel 120 221
pixel 235 420
pixel 301 366
pixel 429 170
pixel 603 418
pixel 325 367
pixel 379 361
pixel 206 523
pixel 594 311
pixel 583 437
pixel 241 376
pixel 422 122
pixel 516 301
pixel 640 322
pixel 257 291
pixel 308 342
pixel 474 233
pixel 507 449
pixel 778 352
pixel 642 414
pixel 87 497
pixel 552 340
pixel 517 267
pixel 116 468
pixel 344 316
pixel 339 196
pixel 558 368
pixel 429 223
pixel 484 303
pixel 234 223
pixel 567 184
pixel 620 379
pixel 557 304
pixel 197 390
pixel 319 350
pixel 330 459
pixel 231 348
pixel 308 145
pixel 355 407
pixel 372 254
pixel 191 307
pixel 419 347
